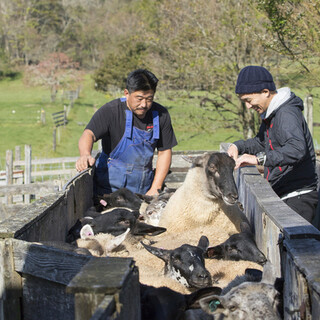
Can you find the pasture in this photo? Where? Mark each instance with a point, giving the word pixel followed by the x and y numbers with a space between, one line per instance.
pixel 195 128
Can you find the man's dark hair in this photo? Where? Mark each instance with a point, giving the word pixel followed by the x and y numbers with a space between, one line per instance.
pixel 141 80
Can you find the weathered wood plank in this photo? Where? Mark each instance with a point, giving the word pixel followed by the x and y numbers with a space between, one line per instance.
pixel 30 188
pixel 47 262
pixel 10 284
pixel 268 201
pixel 101 276
pixel 28 216
pixel 105 309
pixel 46 300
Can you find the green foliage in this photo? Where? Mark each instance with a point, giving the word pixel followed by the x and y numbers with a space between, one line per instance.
pixel 115 69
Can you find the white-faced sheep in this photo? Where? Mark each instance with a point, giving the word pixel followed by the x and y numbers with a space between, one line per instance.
pixel 208 183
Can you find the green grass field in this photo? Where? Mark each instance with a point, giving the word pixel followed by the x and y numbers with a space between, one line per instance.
pixel 195 128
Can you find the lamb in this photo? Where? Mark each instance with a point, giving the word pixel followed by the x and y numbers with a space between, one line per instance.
pixel 123 198
pixel 239 246
pixel 248 300
pixel 115 221
pixel 185 263
pixel 100 245
pixel 208 183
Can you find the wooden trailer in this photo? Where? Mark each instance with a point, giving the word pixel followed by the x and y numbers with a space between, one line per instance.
pixel 39 282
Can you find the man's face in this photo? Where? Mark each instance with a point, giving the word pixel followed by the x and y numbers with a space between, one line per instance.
pixel 257 101
pixel 139 102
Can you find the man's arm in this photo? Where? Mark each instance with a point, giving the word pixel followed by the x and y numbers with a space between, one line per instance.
pixel 162 168
pixel 85 147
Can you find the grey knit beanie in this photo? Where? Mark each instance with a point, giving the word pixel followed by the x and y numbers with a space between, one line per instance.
pixel 252 79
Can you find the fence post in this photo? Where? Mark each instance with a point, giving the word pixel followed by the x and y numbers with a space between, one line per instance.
pixel 54 139
pixel 27 171
pixel 9 172
pixel 65 115
pixel 308 111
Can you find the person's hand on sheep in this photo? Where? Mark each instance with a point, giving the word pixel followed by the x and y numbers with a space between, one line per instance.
pixel 246 160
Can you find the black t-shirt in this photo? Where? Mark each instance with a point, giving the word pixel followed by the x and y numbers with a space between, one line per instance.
pixel 108 124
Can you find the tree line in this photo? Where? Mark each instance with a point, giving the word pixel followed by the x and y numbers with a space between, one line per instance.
pixel 189 44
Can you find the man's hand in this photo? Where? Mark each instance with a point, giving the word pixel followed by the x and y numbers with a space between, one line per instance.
pixel 245 160
pixel 84 162
pixel 152 192
pixel 233 151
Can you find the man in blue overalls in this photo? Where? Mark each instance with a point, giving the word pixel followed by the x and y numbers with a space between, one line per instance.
pixel 131 128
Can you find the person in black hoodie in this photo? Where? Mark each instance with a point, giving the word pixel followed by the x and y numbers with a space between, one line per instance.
pixel 283 144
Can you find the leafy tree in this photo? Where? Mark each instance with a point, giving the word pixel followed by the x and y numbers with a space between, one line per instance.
pixel 56 71
pixel 293 32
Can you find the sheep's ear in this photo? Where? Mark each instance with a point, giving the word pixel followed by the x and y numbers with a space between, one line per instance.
pixel 116 241
pixel 163 254
pixel 211 304
pixel 86 231
pixel 245 227
pixel 103 202
pixel 142 229
pixel 214 252
pixel 203 243
pixel 201 161
pixel 188 158
pixel 193 298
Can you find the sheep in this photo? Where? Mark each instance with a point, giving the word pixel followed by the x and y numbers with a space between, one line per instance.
pixel 115 222
pixel 248 300
pixel 101 244
pixel 164 303
pixel 239 246
pixel 123 198
pixel 208 183
pixel 153 211
pixel 185 263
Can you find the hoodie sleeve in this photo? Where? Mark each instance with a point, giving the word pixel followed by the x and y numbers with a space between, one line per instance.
pixel 290 138
pixel 253 145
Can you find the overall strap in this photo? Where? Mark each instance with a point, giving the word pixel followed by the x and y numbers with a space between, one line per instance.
pixel 156 126
pixel 128 128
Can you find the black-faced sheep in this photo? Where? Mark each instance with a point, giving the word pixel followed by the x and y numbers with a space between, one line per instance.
pixel 123 198
pixel 118 220
pixel 208 183
pixel 185 263
pixel 239 246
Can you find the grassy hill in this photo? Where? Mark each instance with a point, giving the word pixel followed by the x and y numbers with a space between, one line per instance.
pixel 21 109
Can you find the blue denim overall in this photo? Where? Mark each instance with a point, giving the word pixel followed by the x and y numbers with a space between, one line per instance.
pixel 129 165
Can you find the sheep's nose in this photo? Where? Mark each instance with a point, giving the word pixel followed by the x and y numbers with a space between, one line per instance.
pixel 203 275
pixel 233 196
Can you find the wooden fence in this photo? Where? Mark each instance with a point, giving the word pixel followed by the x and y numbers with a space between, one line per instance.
pixel 33 178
